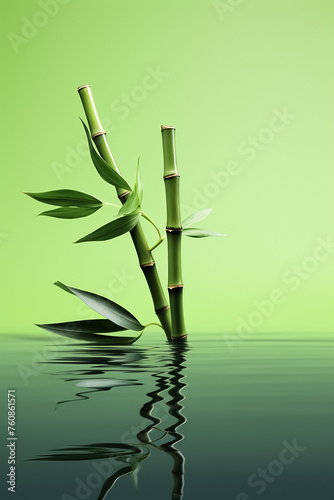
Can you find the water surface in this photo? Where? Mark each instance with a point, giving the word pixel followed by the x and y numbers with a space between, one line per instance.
pixel 153 421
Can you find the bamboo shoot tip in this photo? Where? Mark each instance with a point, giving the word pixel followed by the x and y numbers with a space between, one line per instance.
pixel 82 87
pixel 163 127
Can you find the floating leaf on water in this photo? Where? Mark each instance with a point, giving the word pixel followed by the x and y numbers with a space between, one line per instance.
pixel 87 330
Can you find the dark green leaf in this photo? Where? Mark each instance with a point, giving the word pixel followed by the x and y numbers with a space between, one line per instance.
pixel 70 212
pixel 63 287
pixel 139 185
pixel 113 229
pixel 89 331
pixel 196 217
pixel 109 309
pixel 104 169
pixel 91 326
pixel 67 198
pixel 133 202
pixel 200 233
pixel 131 206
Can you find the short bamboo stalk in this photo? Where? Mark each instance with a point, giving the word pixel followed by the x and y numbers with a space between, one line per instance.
pixel 174 233
pixel 146 260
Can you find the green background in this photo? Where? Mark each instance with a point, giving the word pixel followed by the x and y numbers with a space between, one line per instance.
pixel 227 68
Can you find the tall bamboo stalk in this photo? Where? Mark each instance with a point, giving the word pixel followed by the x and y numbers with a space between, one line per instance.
pixel 145 257
pixel 174 233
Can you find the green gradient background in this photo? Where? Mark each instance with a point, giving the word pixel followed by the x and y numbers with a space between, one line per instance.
pixel 225 77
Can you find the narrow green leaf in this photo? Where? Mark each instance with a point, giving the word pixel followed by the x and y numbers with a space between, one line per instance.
pixel 113 229
pixel 70 212
pixel 109 309
pixel 200 233
pixel 139 184
pixel 67 198
pixel 134 200
pixel 63 287
pixel 89 331
pixel 90 326
pixel 104 169
pixel 131 206
pixel 196 217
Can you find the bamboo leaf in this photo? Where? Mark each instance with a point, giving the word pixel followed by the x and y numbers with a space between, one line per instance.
pixel 67 198
pixel 200 233
pixel 109 309
pixel 75 328
pixel 90 330
pixel 70 212
pixel 139 184
pixel 131 206
pixel 104 169
pixel 133 203
pixel 113 229
pixel 196 217
pixel 63 287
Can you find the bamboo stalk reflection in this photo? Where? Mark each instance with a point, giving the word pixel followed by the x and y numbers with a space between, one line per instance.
pixel 167 370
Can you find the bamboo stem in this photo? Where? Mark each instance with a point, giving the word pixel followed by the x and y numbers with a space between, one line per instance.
pixel 174 233
pixel 145 257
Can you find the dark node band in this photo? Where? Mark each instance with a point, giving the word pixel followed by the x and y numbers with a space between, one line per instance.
pixel 149 264
pixel 161 309
pixel 170 176
pixel 102 132
pixel 174 229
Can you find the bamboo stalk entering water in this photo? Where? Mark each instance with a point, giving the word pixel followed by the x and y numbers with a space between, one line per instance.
pixel 174 233
pixel 146 260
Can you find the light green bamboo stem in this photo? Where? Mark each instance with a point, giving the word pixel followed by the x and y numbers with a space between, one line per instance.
pixel 174 233
pixel 145 257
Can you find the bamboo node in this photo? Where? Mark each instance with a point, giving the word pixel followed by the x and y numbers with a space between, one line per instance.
pixel 180 338
pixel 124 194
pixel 163 127
pixel 161 310
pixel 149 264
pixel 174 229
pixel 173 287
pixel 82 87
pixel 170 176
pixel 101 132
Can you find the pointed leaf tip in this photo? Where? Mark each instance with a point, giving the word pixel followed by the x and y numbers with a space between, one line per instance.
pixel 63 287
pixel 109 309
pixel 113 229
